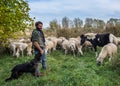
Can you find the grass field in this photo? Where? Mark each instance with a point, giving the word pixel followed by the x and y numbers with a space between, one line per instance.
pixel 64 71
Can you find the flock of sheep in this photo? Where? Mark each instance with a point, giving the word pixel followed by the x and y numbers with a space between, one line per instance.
pixel 20 46
pixel 69 46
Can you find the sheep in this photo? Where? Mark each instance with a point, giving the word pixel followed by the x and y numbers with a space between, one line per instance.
pixel 54 40
pixel 113 39
pixel 99 39
pixel 49 46
pixel 108 50
pixel 65 47
pixel 90 35
pixel 17 54
pixel 79 47
pixel 12 48
pixel 72 47
pixel 29 49
pixel 22 46
pixel 77 44
pixel 24 40
pixel 16 47
pixel 87 45
pixel 118 39
pixel 59 42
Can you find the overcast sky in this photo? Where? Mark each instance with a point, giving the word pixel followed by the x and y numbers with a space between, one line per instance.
pixel 47 10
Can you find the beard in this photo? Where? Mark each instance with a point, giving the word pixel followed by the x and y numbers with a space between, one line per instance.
pixel 39 28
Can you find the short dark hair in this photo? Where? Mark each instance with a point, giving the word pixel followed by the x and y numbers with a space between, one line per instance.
pixel 38 22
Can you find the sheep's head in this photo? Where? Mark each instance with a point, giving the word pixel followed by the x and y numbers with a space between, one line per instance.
pixel 99 61
pixel 29 53
pixel 83 39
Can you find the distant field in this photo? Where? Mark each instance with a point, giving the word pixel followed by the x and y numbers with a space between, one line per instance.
pixel 64 71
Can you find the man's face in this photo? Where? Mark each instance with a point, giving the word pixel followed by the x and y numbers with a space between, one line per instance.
pixel 40 26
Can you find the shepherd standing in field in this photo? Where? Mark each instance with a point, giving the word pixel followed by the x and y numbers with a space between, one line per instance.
pixel 38 41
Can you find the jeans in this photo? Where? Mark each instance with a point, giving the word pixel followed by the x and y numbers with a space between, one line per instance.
pixel 44 66
pixel 43 61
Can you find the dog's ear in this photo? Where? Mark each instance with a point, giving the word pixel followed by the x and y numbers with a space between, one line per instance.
pixel 32 63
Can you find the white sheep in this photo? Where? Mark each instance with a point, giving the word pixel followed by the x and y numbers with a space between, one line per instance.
pixel 72 47
pixel 49 46
pixel 87 45
pixel 29 49
pixel 90 35
pixel 17 54
pixel 59 42
pixel 118 38
pixel 77 44
pixel 54 40
pixel 19 45
pixel 114 39
pixel 65 47
pixel 22 46
pixel 108 50
pixel 12 48
pixel 17 48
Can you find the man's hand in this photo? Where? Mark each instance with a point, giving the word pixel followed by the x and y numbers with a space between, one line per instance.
pixel 42 52
pixel 39 48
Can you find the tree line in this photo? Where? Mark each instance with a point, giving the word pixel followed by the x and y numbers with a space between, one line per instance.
pixel 14 17
pixel 70 27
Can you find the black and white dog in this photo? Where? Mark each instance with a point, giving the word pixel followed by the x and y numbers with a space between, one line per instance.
pixel 18 70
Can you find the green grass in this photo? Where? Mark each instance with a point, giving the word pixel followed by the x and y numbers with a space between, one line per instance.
pixel 65 70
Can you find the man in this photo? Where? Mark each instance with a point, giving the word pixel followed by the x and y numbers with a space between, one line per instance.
pixel 38 41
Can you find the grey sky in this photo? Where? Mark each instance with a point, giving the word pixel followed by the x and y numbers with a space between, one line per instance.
pixel 47 10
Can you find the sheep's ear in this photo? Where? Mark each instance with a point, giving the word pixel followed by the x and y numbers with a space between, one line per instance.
pixel 81 36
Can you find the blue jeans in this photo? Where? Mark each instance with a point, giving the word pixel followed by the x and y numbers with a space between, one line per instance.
pixel 44 66
pixel 43 62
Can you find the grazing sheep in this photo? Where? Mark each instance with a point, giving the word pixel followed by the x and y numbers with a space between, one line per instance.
pixel 49 46
pixel 77 44
pixel 65 47
pixel 12 48
pixel 22 47
pixel 72 47
pixel 99 39
pixel 17 54
pixel 24 40
pixel 108 50
pixel 59 42
pixel 87 45
pixel 17 47
pixel 78 47
pixel 29 49
pixel 118 38
pixel 54 40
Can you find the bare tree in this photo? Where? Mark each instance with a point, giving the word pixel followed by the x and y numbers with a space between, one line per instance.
pixel 65 22
pixel 78 23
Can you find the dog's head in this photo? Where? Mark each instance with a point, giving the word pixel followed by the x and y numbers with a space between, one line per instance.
pixel 32 65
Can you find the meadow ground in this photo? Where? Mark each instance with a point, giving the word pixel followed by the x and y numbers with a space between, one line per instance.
pixel 64 70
